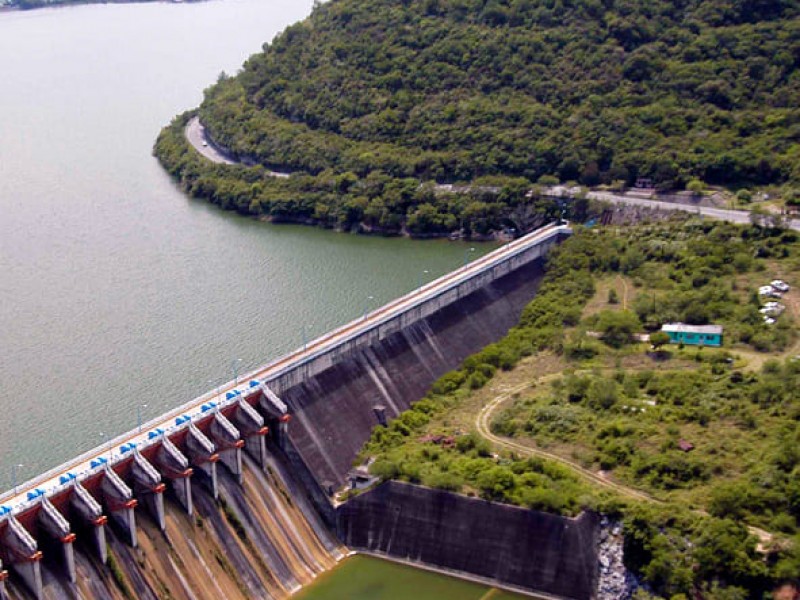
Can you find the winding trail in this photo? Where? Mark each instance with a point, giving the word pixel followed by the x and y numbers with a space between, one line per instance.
pixel 483 424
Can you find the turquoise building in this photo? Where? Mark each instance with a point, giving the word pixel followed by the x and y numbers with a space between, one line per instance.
pixel 694 335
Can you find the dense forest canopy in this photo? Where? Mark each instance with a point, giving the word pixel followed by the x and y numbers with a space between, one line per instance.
pixel 583 89
pixel 366 100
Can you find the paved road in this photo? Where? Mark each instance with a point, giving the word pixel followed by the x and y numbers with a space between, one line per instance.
pixel 111 451
pixel 196 134
pixel 733 216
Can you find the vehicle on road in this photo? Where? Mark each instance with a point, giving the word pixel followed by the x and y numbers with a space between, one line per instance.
pixel 205 144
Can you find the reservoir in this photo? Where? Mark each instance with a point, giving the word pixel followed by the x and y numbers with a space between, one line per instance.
pixel 119 296
pixel 366 578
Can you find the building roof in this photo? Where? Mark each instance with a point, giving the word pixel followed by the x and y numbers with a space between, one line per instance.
pixel 684 328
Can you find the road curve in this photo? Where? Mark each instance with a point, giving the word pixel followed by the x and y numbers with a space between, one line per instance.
pixel 196 135
pixel 483 424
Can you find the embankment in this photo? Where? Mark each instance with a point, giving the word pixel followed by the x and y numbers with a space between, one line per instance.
pixel 260 540
pixel 514 546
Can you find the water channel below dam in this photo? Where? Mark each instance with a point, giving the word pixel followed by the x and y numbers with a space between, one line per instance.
pixel 119 295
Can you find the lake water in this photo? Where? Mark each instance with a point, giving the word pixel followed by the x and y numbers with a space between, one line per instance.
pixel 366 578
pixel 115 289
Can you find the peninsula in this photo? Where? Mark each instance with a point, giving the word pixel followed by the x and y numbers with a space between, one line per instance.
pixel 371 104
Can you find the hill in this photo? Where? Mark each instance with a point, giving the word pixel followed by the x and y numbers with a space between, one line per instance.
pixel 365 94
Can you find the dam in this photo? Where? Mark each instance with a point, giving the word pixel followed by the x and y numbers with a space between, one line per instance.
pixel 230 495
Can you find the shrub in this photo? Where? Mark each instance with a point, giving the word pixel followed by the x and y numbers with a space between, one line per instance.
pixel 659 339
pixel 548 180
pixel 477 381
pixel 385 469
pixel 495 482
pixel 617 327
pixel 602 394
pixel 445 481
pixel 696 187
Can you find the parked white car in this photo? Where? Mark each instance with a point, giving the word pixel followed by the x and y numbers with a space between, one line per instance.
pixel 780 285
pixel 773 309
pixel 775 305
pixel 768 290
pixel 769 320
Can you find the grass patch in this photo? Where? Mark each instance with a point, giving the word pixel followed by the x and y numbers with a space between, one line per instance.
pixel 118 576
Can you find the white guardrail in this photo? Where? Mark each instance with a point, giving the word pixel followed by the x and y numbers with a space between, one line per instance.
pixel 95 460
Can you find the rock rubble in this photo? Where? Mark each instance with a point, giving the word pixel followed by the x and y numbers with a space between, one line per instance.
pixel 615 582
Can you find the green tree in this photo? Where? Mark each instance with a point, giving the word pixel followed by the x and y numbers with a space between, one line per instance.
pixel 617 327
pixel 495 482
pixel 659 339
pixel 602 393
pixel 696 187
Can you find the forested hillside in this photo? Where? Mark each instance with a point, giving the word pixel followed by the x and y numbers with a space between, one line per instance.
pixel 453 90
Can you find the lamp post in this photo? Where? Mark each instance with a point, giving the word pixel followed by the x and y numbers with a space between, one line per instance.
pixel 105 445
pixel 466 255
pixel 217 384
pixel 366 305
pixel 420 277
pixel 139 416
pixel 235 364
pixel 14 475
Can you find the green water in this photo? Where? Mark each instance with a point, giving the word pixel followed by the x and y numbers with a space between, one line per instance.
pixel 366 578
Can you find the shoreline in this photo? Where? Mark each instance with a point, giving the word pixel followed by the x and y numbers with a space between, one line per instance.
pixel 199 140
pixel 364 230
pixel 8 8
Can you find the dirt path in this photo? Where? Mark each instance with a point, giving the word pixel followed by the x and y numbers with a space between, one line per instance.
pixel 483 424
pixel 624 292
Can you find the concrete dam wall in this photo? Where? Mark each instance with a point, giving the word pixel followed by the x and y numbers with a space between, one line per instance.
pixel 228 496
pixel 518 547
pixel 261 539
pixel 334 411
